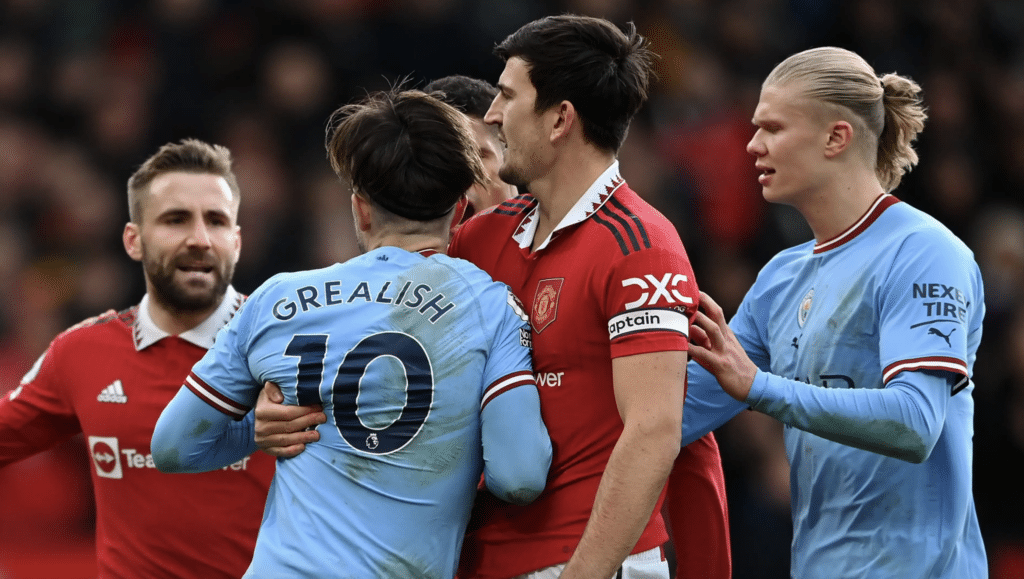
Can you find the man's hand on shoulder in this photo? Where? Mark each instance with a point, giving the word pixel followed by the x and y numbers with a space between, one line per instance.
pixel 281 430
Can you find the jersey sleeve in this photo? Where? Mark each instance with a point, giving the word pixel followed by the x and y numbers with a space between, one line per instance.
pixel 516 446
pixel 205 426
pixel 509 364
pixel 38 413
pixel 931 308
pixel 193 436
pixel 650 299
pixel 708 406
pixel 222 378
pixel 902 420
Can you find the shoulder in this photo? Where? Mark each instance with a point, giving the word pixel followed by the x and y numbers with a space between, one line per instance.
pixel 109 320
pixel 519 205
pixel 629 224
pixel 88 340
pixel 922 230
pixel 499 218
pixel 917 242
pixel 781 269
pixel 290 281
pixel 475 280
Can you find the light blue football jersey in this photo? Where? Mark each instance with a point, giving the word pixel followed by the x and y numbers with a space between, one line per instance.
pixel 403 351
pixel 896 292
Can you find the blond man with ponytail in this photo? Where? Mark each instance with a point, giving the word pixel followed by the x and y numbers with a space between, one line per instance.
pixel 862 340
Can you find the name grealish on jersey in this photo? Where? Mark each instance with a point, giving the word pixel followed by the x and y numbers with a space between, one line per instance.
pixel 412 295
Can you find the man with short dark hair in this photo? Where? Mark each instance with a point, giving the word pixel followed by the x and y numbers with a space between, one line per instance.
pixel 611 294
pixel 422 364
pixel 110 376
pixel 473 97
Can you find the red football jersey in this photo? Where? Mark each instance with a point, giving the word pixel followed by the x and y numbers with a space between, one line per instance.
pixel 612 280
pixel 110 377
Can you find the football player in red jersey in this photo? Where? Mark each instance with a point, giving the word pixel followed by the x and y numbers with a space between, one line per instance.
pixel 611 295
pixel 109 378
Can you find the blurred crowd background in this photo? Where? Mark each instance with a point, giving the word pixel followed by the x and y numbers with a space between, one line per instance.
pixel 90 88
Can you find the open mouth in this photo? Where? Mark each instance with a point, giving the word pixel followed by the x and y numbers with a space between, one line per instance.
pixel 200 268
pixel 766 174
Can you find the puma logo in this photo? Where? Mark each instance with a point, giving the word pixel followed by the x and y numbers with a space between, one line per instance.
pixel 936 332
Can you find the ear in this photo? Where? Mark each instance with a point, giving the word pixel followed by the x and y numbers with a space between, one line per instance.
pixel 132 239
pixel 362 212
pixel 564 120
pixel 840 136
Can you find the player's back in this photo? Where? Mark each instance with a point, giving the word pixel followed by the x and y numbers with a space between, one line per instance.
pixel 395 345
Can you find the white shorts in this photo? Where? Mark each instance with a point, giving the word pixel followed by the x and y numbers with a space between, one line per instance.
pixel 648 564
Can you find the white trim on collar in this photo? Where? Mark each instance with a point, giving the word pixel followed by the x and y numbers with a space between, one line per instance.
pixel 147 333
pixel 588 204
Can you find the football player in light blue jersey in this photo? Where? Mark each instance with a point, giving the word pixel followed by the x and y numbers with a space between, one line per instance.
pixel 420 362
pixel 861 341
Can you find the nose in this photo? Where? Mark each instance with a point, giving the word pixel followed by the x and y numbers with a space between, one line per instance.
pixel 756 147
pixel 200 236
pixel 493 115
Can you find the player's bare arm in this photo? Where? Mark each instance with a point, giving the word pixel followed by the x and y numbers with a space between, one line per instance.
pixel 649 393
pixel 281 429
pixel 714 346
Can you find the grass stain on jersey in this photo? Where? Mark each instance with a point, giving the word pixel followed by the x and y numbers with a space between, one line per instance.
pixel 201 428
pixel 169 460
pixel 397 566
pixel 898 440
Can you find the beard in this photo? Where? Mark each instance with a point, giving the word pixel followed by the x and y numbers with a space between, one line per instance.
pixel 514 176
pixel 179 296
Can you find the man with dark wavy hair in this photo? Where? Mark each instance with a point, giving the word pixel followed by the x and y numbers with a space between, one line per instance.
pixel 611 294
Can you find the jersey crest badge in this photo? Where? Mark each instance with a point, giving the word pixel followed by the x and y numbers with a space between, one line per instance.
pixel 545 303
pixel 805 308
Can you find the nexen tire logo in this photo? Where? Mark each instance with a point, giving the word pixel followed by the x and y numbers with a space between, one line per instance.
pixel 647 321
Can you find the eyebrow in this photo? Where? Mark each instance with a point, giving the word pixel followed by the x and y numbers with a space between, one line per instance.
pixel 177 211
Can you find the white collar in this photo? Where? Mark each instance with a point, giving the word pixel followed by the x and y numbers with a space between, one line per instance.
pixel 592 200
pixel 147 333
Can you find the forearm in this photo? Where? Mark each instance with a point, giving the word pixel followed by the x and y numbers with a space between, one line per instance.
pixel 902 420
pixel 630 486
pixel 190 436
pixel 517 447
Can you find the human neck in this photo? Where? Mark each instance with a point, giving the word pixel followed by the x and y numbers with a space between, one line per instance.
pixel 558 191
pixel 174 321
pixel 833 209
pixel 410 242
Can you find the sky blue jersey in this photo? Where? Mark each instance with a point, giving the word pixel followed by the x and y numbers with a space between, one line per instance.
pixel 423 368
pixel 867 344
